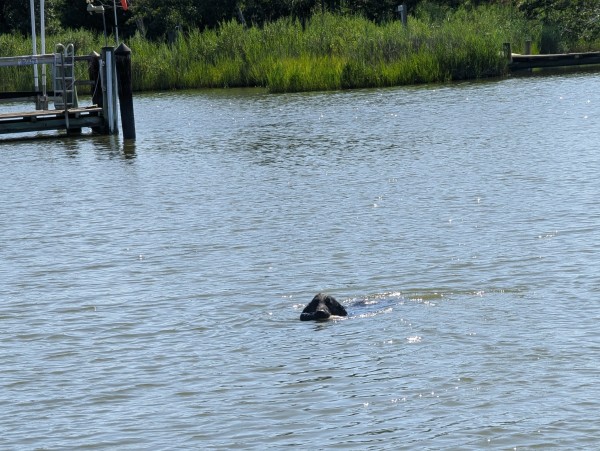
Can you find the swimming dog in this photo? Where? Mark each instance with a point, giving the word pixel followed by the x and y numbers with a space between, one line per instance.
pixel 321 308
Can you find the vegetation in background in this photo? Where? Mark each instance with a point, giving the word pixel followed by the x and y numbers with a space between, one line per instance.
pixel 313 44
pixel 576 22
pixel 567 25
pixel 330 51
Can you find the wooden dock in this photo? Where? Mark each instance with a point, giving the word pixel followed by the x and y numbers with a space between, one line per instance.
pixel 72 120
pixel 110 76
pixel 517 62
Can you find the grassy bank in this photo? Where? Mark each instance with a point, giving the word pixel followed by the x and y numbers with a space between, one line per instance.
pixel 331 52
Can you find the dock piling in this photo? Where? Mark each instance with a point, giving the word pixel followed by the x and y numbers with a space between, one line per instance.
pixel 94 74
pixel 507 52
pixel 123 63
pixel 109 91
pixel 402 12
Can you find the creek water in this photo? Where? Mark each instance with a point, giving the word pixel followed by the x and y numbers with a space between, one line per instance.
pixel 150 293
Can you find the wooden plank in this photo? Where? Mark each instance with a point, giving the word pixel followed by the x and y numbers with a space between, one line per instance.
pixel 41 113
pixel 26 60
pixel 521 62
pixel 30 60
pixel 50 120
pixel 555 56
pixel 50 125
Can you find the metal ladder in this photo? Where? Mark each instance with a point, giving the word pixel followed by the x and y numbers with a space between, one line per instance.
pixel 65 94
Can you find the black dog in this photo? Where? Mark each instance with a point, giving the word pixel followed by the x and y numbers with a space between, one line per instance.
pixel 321 308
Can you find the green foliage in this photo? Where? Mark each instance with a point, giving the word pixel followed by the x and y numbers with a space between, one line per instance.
pixel 572 25
pixel 15 78
pixel 331 52
pixel 328 51
pixel 560 25
pixel 15 16
pixel 21 78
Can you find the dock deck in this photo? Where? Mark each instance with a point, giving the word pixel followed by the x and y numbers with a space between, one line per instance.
pixel 525 62
pixel 73 119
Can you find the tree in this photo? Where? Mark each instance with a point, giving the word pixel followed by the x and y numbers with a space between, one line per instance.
pixel 257 12
pixel 15 16
pixel 74 14
pixel 161 16
pixel 372 9
pixel 565 20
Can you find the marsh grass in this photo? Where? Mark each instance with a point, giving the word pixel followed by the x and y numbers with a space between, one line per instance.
pixel 330 52
pixel 21 78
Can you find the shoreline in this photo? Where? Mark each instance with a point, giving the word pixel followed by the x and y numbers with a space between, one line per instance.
pixel 329 53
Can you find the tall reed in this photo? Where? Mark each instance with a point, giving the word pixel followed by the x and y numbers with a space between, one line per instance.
pixel 330 52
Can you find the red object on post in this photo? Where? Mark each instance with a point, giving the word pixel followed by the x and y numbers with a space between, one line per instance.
pixel 124 5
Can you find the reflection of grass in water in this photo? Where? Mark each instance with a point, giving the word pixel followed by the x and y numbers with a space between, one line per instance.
pixel 429 296
pixel 332 52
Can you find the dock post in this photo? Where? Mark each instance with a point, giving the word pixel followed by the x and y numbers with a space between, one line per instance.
pixel 109 89
pixel 507 52
pixel 527 49
pixel 94 74
pixel 402 10
pixel 123 60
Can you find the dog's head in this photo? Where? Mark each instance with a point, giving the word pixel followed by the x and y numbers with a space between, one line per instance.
pixel 321 308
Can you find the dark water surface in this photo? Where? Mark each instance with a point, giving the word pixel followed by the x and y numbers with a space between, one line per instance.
pixel 150 293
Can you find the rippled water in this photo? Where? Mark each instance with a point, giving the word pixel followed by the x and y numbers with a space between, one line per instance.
pixel 150 293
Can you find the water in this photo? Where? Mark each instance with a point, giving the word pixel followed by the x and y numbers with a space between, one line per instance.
pixel 151 292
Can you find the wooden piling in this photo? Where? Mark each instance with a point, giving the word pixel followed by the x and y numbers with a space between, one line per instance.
pixel 94 74
pixel 403 12
pixel 123 62
pixel 507 51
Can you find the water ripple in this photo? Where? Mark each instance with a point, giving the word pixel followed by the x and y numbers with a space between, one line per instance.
pixel 152 301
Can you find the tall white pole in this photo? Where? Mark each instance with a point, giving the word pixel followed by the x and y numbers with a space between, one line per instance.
pixel 43 39
pixel 36 83
pixel 116 24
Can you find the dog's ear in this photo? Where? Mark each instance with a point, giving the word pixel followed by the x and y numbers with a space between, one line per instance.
pixel 335 308
pixel 312 305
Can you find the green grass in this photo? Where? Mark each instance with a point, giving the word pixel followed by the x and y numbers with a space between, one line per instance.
pixel 331 52
pixel 21 78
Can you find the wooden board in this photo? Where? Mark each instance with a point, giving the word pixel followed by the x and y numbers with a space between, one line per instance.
pixel 519 62
pixel 32 121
